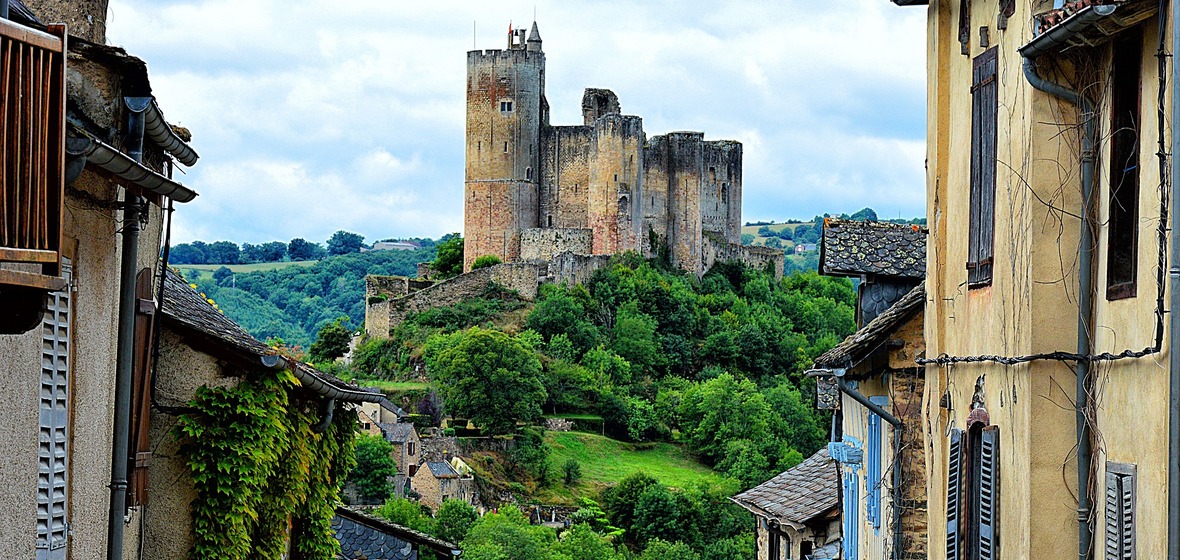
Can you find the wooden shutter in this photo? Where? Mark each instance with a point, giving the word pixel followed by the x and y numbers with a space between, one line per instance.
pixel 873 474
pixel 989 493
pixel 984 101
pixel 53 440
pixel 141 390
pixel 954 496
pixel 1120 512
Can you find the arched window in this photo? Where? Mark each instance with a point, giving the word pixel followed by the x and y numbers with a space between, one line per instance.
pixel 528 173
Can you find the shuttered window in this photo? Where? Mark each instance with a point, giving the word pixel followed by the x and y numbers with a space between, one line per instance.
pixel 873 461
pixel 1123 227
pixel 983 169
pixel 53 470
pixel 851 517
pixel 973 485
pixel 1120 511
pixel 141 390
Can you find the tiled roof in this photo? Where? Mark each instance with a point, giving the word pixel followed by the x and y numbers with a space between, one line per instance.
pixel 365 536
pixel 183 306
pixel 397 410
pixel 797 496
pixel 862 342
pixel 853 248
pixel 398 433
pixel 442 469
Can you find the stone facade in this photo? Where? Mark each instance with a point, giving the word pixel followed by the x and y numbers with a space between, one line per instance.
pixel 605 175
pixel 542 244
pixel 716 249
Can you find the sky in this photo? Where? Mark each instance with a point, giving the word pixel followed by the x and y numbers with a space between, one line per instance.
pixel 311 117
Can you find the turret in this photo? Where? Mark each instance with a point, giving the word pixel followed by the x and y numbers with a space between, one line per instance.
pixel 534 42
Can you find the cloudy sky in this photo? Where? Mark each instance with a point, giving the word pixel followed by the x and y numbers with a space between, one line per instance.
pixel 316 116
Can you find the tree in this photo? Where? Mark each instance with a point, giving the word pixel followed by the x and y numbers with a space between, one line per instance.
pixel 344 242
pixel 222 274
pixel 331 342
pixel 409 514
pixel 506 535
pixel 745 461
pixel 300 249
pixel 488 377
pixel 223 252
pixel 619 500
pixel 374 467
pixel 865 214
pixel 634 338
pixel 774 243
pixel 431 406
pixel 659 550
pixel 571 471
pixel 455 518
pixel 723 409
pixel 449 261
pixel 580 542
pixel 484 261
pixel 186 253
pixel 272 251
pixel 747 239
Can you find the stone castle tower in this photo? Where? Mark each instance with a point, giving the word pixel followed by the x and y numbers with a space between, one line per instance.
pixel 534 191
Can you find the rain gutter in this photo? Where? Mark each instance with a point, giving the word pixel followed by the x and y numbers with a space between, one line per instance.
pixel 161 133
pixel 103 155
pixel 316 384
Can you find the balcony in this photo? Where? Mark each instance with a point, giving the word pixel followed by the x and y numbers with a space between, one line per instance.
pixel 32 151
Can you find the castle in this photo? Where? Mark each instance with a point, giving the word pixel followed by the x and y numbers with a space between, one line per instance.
pixel 534 191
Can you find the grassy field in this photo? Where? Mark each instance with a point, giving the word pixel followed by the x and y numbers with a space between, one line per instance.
pixel 207 269
pixel 605 461
pixel 759 240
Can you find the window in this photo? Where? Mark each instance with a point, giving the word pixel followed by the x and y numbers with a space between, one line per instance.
pixel 1122 233
pixel 506 106
pixel 851 507
pixel 528 173
pixel 53 469
pixel 1120 511
pixel 873 466
pixel 775 545
pixel 983 170
pixel 413 470
pixel 410 448
pixel 972 493
pixel 505 147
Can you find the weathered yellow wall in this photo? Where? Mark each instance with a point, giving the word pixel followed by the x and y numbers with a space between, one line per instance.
pixel 1032 304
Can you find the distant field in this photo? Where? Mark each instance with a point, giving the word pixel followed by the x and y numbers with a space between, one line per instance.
pixel 605 461
pixel 247 267
pixel 759 240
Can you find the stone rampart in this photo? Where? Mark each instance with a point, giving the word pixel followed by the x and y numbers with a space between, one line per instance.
pixel 716 249
pixel 541 244
pixel 520 277
pixel 572 269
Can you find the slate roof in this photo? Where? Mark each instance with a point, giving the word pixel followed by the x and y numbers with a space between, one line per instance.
pixel 388 405
pixel 365 536
pixel 442 469
pixel 864 341
pixel 853 248
pixel 184 307
pixel 398 433
pixel 795 497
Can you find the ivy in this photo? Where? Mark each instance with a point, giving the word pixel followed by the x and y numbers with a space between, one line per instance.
pixel 256 464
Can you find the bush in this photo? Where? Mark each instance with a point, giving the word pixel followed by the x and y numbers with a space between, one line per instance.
pixel 571 471
pixel 485 261
pixel 449 432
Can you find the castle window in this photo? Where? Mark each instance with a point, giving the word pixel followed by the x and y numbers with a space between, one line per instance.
pixel 712 173
pixel 724 193
pixel 505 147
pixel 616 177
pixel 479 147
pixel 550 221
pixel 528 173
pixel 1121 242
pixel 506 106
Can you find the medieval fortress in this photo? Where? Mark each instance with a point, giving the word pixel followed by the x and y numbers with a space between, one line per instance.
pixel 554 203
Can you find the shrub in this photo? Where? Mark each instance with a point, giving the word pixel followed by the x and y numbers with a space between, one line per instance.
pixel 485 261
pixel 571 471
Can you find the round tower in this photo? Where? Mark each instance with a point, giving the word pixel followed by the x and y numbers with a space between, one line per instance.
pixel 505 113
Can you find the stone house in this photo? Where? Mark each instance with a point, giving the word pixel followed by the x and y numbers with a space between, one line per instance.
pixel 1049 364
pixel 366 537
pixel 438 481
pixel 199 347
pixel 797 513
pixel 407 452
pixel 87 167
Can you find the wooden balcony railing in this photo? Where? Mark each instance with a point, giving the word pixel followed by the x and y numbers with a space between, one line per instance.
pixel 32 152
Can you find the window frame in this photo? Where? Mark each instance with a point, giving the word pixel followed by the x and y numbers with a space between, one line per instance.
pixel 1125 183
pixel 982 192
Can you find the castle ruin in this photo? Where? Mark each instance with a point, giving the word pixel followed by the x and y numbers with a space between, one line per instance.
pixel 534 190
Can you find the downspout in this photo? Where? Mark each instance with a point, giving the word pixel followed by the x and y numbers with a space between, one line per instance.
pixel 132 213
pixel 1174 318
pixel 1085 289
pixel 895 492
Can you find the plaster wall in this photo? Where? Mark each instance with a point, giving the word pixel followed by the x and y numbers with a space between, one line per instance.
pixel 1031 303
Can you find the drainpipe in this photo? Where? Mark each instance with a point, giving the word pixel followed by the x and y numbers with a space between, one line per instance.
pixel 132 212
pixel 1174 317
pixel 1085 289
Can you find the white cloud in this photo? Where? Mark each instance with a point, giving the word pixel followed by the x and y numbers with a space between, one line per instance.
pixel 313 117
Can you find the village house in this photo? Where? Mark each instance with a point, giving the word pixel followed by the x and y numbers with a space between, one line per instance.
pixel 1047 378
pixel 438 481
pixel 407 452
pixel 797 513
pixel 874 386
pixel 87 166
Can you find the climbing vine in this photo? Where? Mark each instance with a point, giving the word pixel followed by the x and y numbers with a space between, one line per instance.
pixel 257 463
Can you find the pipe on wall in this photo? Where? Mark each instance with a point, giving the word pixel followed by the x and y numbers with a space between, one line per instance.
pixel 1085 291
pixel 1174 316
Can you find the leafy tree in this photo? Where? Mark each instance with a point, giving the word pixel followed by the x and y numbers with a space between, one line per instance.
pixel 723 409
pixel 331 342
pixel 186 253
pixel 592 514
pixel 506 535
pixel 745 461
pixel 620 500
pixel 404 512
pixel 221 275
pixel 865 214
pixel 571 471
pixel 250 253
pixel 272 251
pixel 374 467
pixel 488 377
pixel 455 518
pixel 449 261
pixel 747 239
pixel 344 242
pixel 774 243
pixel 581 542
pixel 634 338
pixel 484 261
pixel 659 550
pixel 562 310
pixel 765 231
pixel 657 516
pixel 300 249
pixel 223 252
pixel 530 457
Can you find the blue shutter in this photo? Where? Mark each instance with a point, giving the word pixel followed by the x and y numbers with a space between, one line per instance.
pixel 52 482
pixel 989 492
pixel 954 495
pixel 873 466
pixel 851 537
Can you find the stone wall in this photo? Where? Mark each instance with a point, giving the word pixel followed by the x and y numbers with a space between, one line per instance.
pixel 565 176
pixel 907 388
pixel 717 249
pixel 572 269
pixel 426 271
pixel 521 277
pixel 541 244
pixel 614 211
